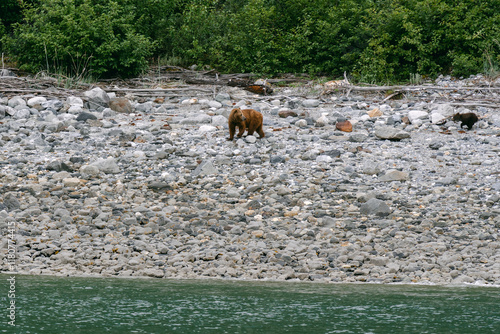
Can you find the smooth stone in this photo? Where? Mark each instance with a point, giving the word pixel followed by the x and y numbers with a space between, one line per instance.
pixel 390 133
pixel 121 105
pixel 97 97
pixel 310 103
pixel 414 115
pixel 206 167
pixel 107 166
pixel 375 207
pixel 38 100
pixel 394 175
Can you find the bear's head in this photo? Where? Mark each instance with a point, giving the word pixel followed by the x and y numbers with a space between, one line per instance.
pixel 238 115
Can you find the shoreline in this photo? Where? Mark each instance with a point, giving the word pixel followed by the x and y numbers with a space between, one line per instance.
pixel 407 197
pixel 238 280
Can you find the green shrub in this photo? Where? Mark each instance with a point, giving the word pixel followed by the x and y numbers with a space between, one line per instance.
pixel 374 41
pixel 73 37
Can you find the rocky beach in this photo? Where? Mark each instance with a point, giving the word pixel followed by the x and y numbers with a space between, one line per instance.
pixel 103 182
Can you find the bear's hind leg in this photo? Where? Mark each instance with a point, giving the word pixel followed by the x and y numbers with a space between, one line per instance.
pixel 251 128
pixel 260 132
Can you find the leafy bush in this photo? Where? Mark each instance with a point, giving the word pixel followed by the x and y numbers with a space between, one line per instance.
pixel 429 37
pixel 378 41
pixel 82 36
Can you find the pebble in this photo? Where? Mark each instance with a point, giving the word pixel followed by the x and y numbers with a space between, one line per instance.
pixel 100 185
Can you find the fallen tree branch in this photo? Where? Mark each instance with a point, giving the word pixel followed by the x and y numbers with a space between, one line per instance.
pixel 419 88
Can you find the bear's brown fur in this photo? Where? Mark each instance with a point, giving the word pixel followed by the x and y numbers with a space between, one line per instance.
pixel 467 119
pixel 245 119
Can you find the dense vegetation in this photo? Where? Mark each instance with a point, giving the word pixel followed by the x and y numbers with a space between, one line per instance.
pixel 372 40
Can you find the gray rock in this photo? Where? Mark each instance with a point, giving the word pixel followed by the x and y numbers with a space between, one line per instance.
pixel 22 114
pixel 414 115
pixel 358 137
pixel 90 170
pixel 436 145
pixel 292 104
pixel 38 100
pixel 145 107
pixel 437 118
pixel 197 119
pixel 446 181
pixel 394 175
pixel 321 121
pixel 206 167
pixel 107 166
pixel 85 116
pixel 214 104
pixel 7 110
pixel 159 186
pixel 97 97
pixel 222 97
pixel 375 207
pixel 16 102
pixel 58 166
pixel 446 110
pixel 310 103
pixel 390 133
pixel 219 120
pixel 277 159
pixel 55 105
pixel 11 202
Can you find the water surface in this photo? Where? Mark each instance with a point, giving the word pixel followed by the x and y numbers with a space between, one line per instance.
pixel 112 305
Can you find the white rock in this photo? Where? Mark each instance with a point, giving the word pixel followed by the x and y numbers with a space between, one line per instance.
pixel 36 100
pixel 324 158
pixel 207 128
pixel 250 139
pixel 214 104
pixel 89 170
pixel 322 121
pixel 413 115
pixel 302 123
pixel 71 181
pixel 75 109
pixel 437 117
pixel 74 101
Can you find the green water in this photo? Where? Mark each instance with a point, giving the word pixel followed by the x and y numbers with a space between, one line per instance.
pixel 100 305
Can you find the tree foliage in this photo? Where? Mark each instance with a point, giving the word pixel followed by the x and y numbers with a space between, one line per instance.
pixel 80 36
pixel 373 40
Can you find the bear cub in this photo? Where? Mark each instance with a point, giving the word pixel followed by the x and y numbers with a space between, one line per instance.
pixel 245 119
pixel 467 119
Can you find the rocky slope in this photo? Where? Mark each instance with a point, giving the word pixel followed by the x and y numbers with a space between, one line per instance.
pixel 152 187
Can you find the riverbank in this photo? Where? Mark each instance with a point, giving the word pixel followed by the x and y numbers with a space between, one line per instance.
pixel 155 189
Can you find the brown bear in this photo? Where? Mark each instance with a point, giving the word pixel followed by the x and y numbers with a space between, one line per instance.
pixel 245 119
pixel 467 119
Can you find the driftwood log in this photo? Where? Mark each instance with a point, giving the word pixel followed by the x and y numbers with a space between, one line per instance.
pixel 169 81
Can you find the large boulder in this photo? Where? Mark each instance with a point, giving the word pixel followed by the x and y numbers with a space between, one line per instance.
pixel 121 105
pixel 96 98
pixel 375 207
